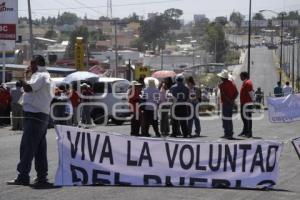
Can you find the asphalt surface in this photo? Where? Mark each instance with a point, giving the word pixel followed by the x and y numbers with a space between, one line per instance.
pixel 288 187
pixel 263 74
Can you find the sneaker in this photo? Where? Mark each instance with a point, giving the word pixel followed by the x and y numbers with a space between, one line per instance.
pixel 18 181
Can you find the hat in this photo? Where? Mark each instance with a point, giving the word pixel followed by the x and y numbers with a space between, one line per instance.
pixel 223 74
pixel 179 78
pixel 84 85
pixel 135 83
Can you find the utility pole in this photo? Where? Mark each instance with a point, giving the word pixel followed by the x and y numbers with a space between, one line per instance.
pixel 298 66
pixel 30 29
pixel 116 47
pixel 249 37
pixel 293 60
pixel 281 41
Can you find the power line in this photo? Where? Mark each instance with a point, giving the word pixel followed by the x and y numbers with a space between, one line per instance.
pixel 90 8
pixel 104 6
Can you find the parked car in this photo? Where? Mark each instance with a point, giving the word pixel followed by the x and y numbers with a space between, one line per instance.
pixel 111 92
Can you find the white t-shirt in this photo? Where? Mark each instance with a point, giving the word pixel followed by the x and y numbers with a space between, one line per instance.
pixel 40 98
pixel 287 90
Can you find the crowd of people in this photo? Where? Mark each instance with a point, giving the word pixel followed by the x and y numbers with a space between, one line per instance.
pixel 178 105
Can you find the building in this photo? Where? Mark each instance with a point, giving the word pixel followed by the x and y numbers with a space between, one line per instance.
pixel 255 23
pixel 199 18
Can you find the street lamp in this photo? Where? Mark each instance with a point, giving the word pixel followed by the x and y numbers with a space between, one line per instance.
pixel 281 39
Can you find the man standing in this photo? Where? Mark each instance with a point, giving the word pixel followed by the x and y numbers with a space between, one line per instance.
pixel 228 93
pixel 36 108
pixel 134 99
pixel 246 98
pixel 287 89
pixel 194 99
pixel 180 95
pixel 278 90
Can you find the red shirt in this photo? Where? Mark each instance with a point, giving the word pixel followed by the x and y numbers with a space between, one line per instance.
pixel 5 98
pixel 74 98
pixel 134 97
pixel 245 89
pixel 228 92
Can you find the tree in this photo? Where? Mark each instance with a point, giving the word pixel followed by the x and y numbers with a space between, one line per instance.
pixel 215 41
pixel 155 31
pixel 221 20
pixel 198 30
pixel 237 18
pixel 258 16
pixel 81 31
pixel 51 34
pixel 67 18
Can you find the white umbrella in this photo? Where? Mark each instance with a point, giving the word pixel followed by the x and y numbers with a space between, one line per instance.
pixel 81 76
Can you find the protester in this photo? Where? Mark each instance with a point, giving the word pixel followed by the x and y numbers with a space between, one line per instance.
pixel 16 107
pixel 287 89
pixel 36 107
pixel 246 99
pixel 75 101
pixel 180 95
pixel 165 108
pixel 151 97
pixel 134 99
pixel 194 99
pixel 5 100
pixel 61 105
pixel 229 93
pixel 86 119
pixel 259 98
pixel 278 90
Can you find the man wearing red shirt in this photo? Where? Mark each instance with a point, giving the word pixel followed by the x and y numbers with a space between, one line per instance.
pixel 229 93
pixel 134 99
pixel 246 98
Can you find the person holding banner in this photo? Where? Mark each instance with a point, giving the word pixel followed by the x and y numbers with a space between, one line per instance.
pixel 228 93
pixel 247 99
pixel 36 108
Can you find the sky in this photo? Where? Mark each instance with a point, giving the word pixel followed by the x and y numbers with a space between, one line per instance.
pixel 122 8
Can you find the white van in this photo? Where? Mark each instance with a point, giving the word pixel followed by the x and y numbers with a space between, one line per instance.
pixel 110 98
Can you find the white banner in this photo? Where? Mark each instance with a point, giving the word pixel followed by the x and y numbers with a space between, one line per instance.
pixel 284 109
pixel 97 158
pixel 296 144
pixel 8 24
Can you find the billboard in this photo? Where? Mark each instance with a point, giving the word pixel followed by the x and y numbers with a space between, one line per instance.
pixel 8 23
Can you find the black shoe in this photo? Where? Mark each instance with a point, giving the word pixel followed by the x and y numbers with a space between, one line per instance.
pixel 229 138
pixel 37 182
pixel 18 181
pixel 173 135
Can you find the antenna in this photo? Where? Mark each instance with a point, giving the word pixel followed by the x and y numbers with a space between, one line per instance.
pixel 109 9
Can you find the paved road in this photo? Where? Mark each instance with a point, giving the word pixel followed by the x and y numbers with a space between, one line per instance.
pixel 263 74
pixel 287 189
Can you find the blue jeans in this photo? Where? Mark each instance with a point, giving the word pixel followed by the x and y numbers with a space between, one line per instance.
pixel 227 119
pixel 34 145
pixel 195 120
